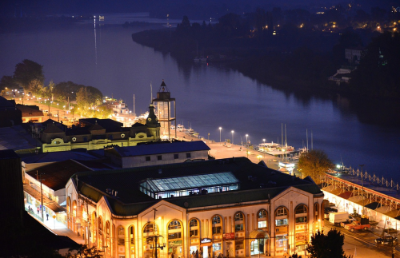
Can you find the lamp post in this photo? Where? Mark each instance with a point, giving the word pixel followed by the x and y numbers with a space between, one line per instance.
pixel 232 135
pixel 362 186
pixel 264 147
pixel 220 129
pixel 246 138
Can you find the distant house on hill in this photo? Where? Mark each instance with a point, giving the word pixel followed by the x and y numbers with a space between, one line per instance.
pixel 31 113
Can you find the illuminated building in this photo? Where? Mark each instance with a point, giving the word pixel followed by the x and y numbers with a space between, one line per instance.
pixel 166 109
pixel 214 207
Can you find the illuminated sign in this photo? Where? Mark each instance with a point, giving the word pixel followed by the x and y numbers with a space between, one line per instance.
pixel 205 240
pixel 229 236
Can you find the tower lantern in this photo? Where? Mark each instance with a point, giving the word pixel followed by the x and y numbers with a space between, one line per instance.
pixel 166 109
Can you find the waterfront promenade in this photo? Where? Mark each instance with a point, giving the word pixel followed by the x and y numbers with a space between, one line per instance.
pixel 222 150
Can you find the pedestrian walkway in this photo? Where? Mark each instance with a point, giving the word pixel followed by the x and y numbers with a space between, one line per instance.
pixel 58 228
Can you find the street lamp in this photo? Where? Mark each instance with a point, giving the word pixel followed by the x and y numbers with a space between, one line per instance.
pixel 246 138
pixel 220 134
pixel 232 135
pixel 264 147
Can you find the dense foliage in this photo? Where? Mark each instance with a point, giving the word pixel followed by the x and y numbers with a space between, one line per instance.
pixel 314 163
pixel 327 246
pixel 378 73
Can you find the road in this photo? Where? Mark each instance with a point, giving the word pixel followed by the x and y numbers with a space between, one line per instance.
pixel 362 244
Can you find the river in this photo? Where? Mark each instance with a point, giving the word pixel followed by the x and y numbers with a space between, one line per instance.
pixel 207 97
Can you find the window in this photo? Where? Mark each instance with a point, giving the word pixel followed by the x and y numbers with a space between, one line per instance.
pixel 216 225
pixel 193 223
pixel 194 233
pixel 281 211
pixel 239 244
pixel 301 209
pixel 262 219
pixel 262 214
pixel 148 158
pixel 188 155
pixel 121 236
pixel 262 224
pixel 175 235
pixel 281 222
pixel 159 157
pixel 176 156
pixel 281 241
pixel 149 228
pixel 239 227
pixel 239 218
pixel 174 225
pixel 301 219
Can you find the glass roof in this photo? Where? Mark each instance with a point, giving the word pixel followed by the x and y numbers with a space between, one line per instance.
pixel 188 182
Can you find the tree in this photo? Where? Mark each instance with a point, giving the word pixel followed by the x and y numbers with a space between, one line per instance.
pixel 9 82
pixel 29 75
pixel 314 163
pixel 83 251
pixel 327 246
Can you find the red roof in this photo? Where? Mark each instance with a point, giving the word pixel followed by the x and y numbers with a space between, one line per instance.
pixel 346 195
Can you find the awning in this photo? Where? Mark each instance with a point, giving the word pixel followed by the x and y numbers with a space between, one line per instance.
pixel 258 234
pixel 52 205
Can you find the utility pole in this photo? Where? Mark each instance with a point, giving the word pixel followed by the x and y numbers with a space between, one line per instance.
pixel 39 178
pixel 362 187
pixel 134 111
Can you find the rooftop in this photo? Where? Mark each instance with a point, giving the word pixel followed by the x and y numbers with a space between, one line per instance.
pixel 57 156
pixel 16 138
pixel 56 175
pixel 156 148
pixel 256 183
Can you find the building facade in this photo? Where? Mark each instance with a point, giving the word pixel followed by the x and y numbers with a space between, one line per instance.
pixel 94 134
pixel 231 215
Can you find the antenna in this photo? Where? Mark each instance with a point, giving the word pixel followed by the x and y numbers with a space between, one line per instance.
pixel 285 136
pixel 134 111
pixel 151 93
pixel 311 141
pixel 307 138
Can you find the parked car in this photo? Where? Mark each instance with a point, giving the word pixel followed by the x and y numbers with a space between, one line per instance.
pixel 358 225
pixel 386 240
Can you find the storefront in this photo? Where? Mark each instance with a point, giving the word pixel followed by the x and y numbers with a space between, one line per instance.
pixel 206 247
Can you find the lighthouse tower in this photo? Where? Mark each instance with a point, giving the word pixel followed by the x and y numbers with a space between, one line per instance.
pixel 166 110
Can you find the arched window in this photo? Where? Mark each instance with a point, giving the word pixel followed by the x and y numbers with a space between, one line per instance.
pixel 281 214
pixel 175 224
pixel 216 225
pixel 194 228
pixel 149 228
pixel 131 239
pixel 121 235
pixel 316 212
pixel 175 238
pixel 262 219
pixel 94 227
pixel 108 238
pixel 239 221
pixel 301 212
pixel 101 239
pixel 301 209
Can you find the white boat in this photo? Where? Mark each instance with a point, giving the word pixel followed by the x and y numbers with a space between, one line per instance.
pixel 275 149
pixel 180 128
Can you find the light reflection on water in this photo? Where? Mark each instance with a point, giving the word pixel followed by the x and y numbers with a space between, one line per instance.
pixel 207 96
